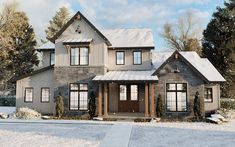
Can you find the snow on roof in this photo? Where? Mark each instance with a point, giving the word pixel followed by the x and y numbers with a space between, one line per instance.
pixel 48 45
pixel 158 58
pixel 203 65
pixel 129 37
pixel 127 76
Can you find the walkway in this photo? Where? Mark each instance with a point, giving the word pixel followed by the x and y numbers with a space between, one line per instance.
pixel 117 136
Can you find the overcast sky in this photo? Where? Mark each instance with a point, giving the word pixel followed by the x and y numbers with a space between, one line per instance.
pixel 120 13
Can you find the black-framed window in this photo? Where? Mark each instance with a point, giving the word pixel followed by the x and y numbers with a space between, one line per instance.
pixel 134 92
pixel 52 58
pixel 28 94
pixel 78 96
pixel 137 57
pixel 120 57
pixel 45 94
pixel 122 92
pixel 176 97
pixel 208 95
pixel 79 56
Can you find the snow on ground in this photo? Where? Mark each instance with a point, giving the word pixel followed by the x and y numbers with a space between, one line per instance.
pixel 7 110
pixel 93 133
pixel 35 134
pixel 183 134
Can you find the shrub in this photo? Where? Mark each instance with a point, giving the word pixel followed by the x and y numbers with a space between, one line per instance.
pixel 142 120
pixel 92 105
pixel 160 106
pixel 59 106
pixel 197 106
pixel 26 113
pixel 227 104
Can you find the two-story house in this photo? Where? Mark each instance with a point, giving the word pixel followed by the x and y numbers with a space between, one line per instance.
pixel 121 68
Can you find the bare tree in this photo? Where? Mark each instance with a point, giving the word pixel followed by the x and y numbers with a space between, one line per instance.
pixel 184 35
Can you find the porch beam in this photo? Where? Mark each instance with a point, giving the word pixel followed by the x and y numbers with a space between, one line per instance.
pixel 100 100
pixel 152 100
pixel 146 114
pixel 105 99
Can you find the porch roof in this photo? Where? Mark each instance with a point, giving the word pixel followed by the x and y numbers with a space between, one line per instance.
pixel 127 76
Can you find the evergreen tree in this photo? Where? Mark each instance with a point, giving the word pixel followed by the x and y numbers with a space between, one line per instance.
pixel 23 55
pixel 197 106
pixel 59 105
pixel 92 105
pixel 58 21
pixel 160 106
pixel 219 45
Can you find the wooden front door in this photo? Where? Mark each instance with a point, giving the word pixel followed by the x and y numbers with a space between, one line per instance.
pixel 128 98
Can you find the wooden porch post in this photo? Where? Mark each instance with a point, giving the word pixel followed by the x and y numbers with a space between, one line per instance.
pixel 105 99
pixel 152 99
pixel 100 101
pixel 146 100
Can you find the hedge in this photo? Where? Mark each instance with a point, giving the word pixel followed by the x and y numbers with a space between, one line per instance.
pixel 227 104
pixel 7 101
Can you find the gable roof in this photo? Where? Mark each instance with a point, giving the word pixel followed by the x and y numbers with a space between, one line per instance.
pixel 201 65
pixel 132 38
pixel 14 79
pixel 79 14
pixel 47 46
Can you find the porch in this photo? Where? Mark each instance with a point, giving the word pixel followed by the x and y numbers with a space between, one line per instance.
pixel 126 94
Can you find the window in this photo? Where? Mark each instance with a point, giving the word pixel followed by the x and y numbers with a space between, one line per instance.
pixel 137 57
pixel 176 97
pixel 78 96
pixel 52 58
pixel 120 58
pixel 28 95
pixel 45 94
pixel 79 56
pixel 134 92
pixel 208 95
pixel 83 96
pixel 123 92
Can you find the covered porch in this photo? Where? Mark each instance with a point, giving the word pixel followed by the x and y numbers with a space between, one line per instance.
pixel 126 94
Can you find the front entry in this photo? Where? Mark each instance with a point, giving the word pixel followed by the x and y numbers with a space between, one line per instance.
pixel 128 98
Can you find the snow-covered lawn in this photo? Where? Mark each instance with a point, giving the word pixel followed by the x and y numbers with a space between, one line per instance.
pixel 180 134
pixel 34 134
pixel 7 110
pixel 93 133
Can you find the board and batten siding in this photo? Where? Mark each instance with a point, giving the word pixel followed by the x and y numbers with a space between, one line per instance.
pixel 37 81
pixel 146 60
pixel 212 106
pixel 97 48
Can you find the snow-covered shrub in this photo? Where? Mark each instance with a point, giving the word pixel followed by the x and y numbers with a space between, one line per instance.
pixel 26 113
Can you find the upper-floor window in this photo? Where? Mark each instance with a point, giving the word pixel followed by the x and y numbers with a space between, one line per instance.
pixel 45 94
pixel 208 95
pixel 28 94
pixel 52 58
pixel 120 58
pixel 79 56
pixel 137 57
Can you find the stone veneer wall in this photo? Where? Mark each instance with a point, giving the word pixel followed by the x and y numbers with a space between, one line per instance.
pixel 66 75
pixel 186 75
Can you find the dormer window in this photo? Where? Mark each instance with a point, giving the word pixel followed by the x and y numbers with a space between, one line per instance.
pixel 79 56
pixel 137 57
pixel 120 58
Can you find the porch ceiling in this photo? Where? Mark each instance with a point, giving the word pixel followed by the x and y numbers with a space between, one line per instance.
pixel 127 76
